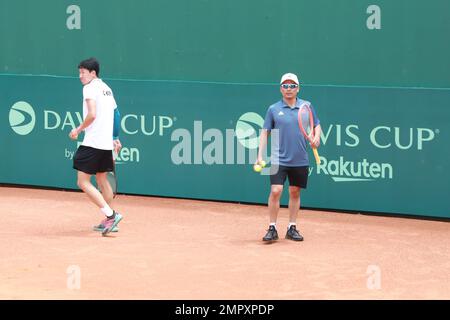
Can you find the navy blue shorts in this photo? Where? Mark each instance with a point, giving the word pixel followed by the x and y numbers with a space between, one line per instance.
pixel 298 176
pixel 91 161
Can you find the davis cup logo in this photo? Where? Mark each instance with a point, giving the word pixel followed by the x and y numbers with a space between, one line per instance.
pixel 22 118
pixel 247 129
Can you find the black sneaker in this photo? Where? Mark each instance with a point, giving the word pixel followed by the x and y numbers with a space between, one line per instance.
pixel 271 234
pixel 293 234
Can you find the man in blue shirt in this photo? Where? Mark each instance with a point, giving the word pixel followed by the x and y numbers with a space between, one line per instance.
pixel 289 157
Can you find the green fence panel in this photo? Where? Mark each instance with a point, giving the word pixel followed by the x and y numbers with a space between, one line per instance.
pixel 345 42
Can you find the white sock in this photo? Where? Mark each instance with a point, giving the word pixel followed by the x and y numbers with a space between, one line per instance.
pixel 292 224
pixel 107 211
pixel 273 224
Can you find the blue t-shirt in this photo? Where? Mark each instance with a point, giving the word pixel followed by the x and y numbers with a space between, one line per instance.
pixel 288 143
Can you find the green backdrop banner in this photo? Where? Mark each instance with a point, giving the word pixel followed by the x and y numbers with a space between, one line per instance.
pixel 383 149
pixel 194 79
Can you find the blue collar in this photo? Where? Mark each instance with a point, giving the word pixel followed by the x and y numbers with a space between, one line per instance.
pixel 297 104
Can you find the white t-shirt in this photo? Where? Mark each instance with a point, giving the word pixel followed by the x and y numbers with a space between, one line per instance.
pixel 99 134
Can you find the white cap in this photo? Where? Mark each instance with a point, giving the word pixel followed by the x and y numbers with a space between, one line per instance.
pixel 289 76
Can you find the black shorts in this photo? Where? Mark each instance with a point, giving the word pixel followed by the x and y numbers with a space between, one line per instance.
pixel 91 160
pixel 298 176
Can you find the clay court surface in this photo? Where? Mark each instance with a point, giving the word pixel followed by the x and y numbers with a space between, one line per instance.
pixel 182 249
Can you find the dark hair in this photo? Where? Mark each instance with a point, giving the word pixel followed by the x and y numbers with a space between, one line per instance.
pixel 90 64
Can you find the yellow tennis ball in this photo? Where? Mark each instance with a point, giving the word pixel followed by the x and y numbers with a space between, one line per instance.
pixel 257 168
pixel 262 163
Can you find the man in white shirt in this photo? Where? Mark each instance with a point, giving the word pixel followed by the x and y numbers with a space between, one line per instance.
pixel 101 122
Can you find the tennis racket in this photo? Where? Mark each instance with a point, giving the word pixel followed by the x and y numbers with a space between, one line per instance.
pixel 111 176
pixel 306 124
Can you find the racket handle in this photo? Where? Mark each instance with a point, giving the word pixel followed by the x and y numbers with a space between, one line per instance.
pixel 316 155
